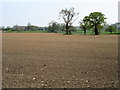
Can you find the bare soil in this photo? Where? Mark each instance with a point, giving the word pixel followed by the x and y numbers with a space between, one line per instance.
pixel 59 61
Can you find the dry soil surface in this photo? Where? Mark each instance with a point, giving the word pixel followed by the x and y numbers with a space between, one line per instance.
pixel 59 61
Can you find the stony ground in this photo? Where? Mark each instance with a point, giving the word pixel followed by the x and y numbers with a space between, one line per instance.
pixel 59 61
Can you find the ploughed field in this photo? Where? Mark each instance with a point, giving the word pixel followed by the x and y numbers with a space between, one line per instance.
pixel 59 61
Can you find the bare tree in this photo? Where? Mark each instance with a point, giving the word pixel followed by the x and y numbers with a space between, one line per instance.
pixel 68 17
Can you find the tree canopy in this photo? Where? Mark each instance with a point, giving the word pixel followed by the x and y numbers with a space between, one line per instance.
pixel 96 19
pixel 85 24
pixel 111 29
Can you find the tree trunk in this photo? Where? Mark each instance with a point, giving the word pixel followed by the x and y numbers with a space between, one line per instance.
pixel 67 32
pixel 70 32
pixel 96 30
pixel 84 31
pixel 111 31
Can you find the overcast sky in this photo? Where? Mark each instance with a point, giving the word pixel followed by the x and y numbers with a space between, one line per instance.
pixel 41 12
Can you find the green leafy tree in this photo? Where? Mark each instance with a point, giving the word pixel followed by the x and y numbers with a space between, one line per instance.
pixel 7 28
pixel 53 27
pixel 68 17
pixel 16 28
pixel 34 28
pixel 29 26
pixel 3 28
pixel 111 29
pixel 85 24
pixel 62 27
pixel 96 19
pixel 72 28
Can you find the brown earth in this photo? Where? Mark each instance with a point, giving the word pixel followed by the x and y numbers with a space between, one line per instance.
pixel 59 61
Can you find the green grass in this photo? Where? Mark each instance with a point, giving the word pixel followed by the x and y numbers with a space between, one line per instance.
pixel 103 32
pixel 89 32
pixel 34 31
pixel 108 33
pixel 27 32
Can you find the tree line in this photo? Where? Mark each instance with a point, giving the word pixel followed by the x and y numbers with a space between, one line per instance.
pixel 94 21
